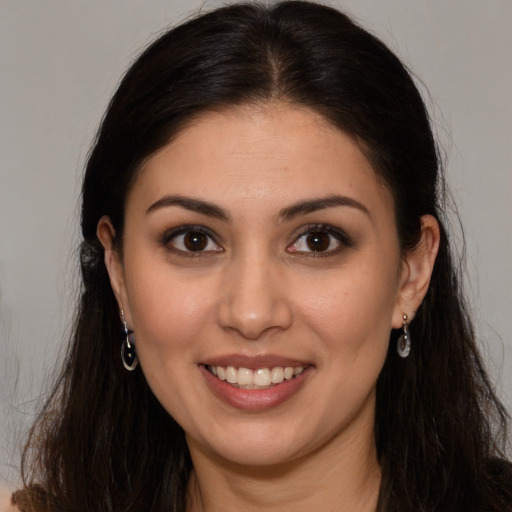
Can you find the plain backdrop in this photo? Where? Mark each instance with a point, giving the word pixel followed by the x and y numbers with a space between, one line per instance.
pixel 60 61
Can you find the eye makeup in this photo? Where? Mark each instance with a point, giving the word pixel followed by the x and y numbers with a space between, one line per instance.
pixel 311 240
pixel 319 240
pixel 190 241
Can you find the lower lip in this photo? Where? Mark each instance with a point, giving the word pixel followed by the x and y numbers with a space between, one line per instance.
pixel 254 399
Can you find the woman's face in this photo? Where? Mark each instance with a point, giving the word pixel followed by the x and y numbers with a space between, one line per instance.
pixel 260 247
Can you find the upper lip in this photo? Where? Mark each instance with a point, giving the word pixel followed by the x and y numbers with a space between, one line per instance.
pixel 253 362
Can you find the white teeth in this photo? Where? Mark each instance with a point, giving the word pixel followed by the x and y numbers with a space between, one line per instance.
pixel 245 377
pixel 254 379
pixel 277 375
pixel 231 375
pixel 288 373
pixel 261 377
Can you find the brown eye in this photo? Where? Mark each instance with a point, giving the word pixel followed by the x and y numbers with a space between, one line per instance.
pixel 187 240
pixel 195 241
pixel 318 242
pixel 320 239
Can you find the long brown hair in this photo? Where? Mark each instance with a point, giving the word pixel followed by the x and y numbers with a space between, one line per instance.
pixel 103 442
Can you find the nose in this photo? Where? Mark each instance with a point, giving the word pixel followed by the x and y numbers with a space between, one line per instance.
pixel 253 298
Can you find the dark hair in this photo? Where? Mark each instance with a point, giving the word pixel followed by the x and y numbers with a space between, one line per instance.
pixel 103 442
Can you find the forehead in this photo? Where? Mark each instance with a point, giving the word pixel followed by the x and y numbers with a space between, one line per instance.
pixel 260 154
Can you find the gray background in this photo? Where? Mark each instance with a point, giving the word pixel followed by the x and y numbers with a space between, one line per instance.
pixel 60 62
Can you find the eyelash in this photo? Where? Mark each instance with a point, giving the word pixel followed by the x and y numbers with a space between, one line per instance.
pixel 342 239
pixel 173 234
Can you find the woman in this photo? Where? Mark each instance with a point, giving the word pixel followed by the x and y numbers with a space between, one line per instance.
pixel 270 316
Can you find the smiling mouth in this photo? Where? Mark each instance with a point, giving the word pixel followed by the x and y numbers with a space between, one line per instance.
pixel 262 378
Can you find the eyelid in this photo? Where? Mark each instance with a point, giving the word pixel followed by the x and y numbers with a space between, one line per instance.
pixel 340 235
pixel 170 234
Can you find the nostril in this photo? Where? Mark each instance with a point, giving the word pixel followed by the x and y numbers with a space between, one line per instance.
pixel 253 324
pixel 253 300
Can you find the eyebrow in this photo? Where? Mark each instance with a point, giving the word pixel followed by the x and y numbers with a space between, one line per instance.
pixel 194 205
pixel 288 213
pixel 313 205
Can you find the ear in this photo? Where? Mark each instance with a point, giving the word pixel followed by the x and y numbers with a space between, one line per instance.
pixel 417 267
pixel 106 235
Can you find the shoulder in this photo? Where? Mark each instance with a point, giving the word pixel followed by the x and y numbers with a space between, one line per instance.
pixel 6 502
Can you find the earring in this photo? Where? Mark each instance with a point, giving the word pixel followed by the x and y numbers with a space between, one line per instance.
pixel 404 340
pixel 128 353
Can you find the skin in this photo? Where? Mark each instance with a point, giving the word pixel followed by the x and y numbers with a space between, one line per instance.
pixel 5 501
pixel 258 289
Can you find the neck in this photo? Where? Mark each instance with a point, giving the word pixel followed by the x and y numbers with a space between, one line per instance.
pixel 342 476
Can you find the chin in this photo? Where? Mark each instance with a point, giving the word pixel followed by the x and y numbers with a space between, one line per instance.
pixel 255 446
pixel 257 455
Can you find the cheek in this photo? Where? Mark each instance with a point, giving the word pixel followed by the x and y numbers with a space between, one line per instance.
pixel 168 312
pixel 169 316
pixel 352 312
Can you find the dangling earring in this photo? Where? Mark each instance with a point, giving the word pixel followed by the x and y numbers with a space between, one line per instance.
pixel 128 353
pixel 404 340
